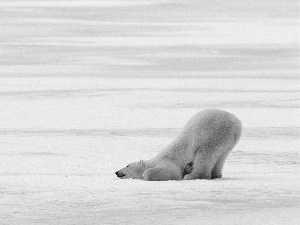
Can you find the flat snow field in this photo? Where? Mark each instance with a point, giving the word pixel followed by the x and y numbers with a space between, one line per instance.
pixel 88 86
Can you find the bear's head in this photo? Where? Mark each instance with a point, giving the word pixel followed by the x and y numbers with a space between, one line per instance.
pixel 133 170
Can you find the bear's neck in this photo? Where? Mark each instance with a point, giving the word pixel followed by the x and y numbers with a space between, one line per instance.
pixel 150 163
pixel 174 148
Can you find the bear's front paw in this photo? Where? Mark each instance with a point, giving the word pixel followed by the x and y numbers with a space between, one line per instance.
pixel 161 173
pixel 149 175
pixel 188 177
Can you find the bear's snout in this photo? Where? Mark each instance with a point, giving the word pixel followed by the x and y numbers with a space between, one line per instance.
pixel 119 174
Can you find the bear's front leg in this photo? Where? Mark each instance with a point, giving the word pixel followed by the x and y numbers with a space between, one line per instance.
pixel 161 173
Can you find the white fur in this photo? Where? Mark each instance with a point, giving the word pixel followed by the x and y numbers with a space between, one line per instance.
pixel 206 141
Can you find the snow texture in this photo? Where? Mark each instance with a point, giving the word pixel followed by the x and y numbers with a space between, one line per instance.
pixel 88 86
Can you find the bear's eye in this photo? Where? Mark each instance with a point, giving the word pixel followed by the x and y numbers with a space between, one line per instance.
pixel 127 166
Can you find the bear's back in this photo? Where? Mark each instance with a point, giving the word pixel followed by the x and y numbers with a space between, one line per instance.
pixel 211 128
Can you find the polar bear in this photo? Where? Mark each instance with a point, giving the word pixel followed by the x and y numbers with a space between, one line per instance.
pixel 198 152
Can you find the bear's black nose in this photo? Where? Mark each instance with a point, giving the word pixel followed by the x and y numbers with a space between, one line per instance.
pixel 119 174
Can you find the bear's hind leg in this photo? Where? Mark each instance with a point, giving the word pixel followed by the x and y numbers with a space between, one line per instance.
pixel 202 167
pixel 217 170
pixel 161 173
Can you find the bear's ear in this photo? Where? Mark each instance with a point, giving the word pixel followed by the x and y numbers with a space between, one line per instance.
pixel 142 163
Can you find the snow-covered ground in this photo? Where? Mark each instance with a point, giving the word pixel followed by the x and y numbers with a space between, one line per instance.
pixel 89 86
